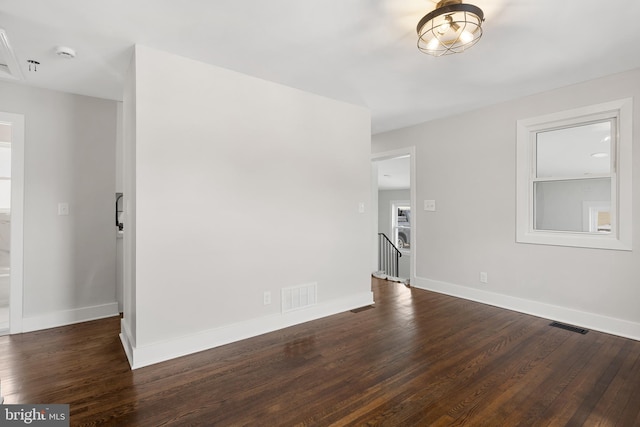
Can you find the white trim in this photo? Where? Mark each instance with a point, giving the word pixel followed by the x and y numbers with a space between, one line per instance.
pixel 411 152
pixel 69 317
pixel 383 276
pixel 621 199
pixel 594 321
pixel 374 215
pixel 127 341
pixel 17 220
pixel 145 355
pixel 590 210
pixel 13 65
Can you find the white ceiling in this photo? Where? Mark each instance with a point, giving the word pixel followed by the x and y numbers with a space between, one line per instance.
pixel 359 51
pixel 394 174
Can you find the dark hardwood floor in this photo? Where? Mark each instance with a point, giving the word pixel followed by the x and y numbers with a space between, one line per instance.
pixel 416 359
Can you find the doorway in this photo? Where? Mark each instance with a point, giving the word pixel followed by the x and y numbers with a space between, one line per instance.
pixel 11 221
pixel 393 193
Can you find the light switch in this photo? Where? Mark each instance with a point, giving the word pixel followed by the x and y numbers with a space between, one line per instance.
pixel 361 207
pixel 430 205
pixel 63 208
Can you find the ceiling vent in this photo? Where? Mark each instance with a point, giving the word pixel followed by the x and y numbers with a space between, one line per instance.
pixel 9 67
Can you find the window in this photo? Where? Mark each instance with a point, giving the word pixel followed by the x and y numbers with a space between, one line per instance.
pixel 401 224
pixel 574 177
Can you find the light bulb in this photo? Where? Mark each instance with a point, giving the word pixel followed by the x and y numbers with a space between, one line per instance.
pixel 447 24
pixel 466 37
pixel 433 44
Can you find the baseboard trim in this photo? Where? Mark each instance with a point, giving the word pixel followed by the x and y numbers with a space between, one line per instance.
pixel 145 355
pixel 597 322
pixel 69 317
pixel 127 341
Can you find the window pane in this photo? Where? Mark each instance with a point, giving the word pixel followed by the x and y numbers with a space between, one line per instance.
pixel 575 151
pixel 580 205
pixel 402 216
pixel 402 226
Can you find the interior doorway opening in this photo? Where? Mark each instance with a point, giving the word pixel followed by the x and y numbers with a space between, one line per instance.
pixel 393 193
pixel 11 221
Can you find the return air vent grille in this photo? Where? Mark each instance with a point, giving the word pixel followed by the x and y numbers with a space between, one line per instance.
pixel 300 296
pixel 569 328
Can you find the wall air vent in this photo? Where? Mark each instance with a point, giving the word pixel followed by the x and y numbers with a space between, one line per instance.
pixel 569 327
pixel 9 66
pixel 298 297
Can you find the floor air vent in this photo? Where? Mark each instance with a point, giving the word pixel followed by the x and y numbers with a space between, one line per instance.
pixel 569 328
pixel 361 309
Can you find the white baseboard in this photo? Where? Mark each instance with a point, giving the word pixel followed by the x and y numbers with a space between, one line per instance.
pixel 68 317
pixel 597 322
pixel 127 341
pixel 383 276
pixel 145 355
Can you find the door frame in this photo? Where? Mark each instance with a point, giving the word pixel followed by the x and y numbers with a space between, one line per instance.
pixel 386 155
pixel 17 220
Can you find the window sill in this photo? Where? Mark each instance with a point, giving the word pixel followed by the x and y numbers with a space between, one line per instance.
pixel 591 241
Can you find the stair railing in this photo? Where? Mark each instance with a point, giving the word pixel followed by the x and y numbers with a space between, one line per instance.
pixel 388 256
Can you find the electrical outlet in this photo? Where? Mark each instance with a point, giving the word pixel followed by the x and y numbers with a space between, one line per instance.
pixel 267 297
pixel 484 277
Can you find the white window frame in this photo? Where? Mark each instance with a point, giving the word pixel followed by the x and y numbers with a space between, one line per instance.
pixel 590 211
pixel 395 204
pixel 6 178
pixel 620 237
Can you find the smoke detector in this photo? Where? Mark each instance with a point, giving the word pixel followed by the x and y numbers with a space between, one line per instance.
pixel 65 52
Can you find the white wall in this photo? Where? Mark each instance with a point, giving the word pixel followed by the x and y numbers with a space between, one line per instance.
pixel 69 261
pixel 241 186
pixel 467 164
pixel 129 107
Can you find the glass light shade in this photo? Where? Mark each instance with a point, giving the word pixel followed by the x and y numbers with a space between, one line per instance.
pixel 451 28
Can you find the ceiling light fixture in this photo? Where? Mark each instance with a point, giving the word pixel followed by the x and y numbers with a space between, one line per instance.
pixel 452 27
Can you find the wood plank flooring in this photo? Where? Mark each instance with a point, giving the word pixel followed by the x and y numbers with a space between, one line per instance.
pixel 415 359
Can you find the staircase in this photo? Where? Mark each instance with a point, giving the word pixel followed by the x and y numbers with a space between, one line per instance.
pixel 388 256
